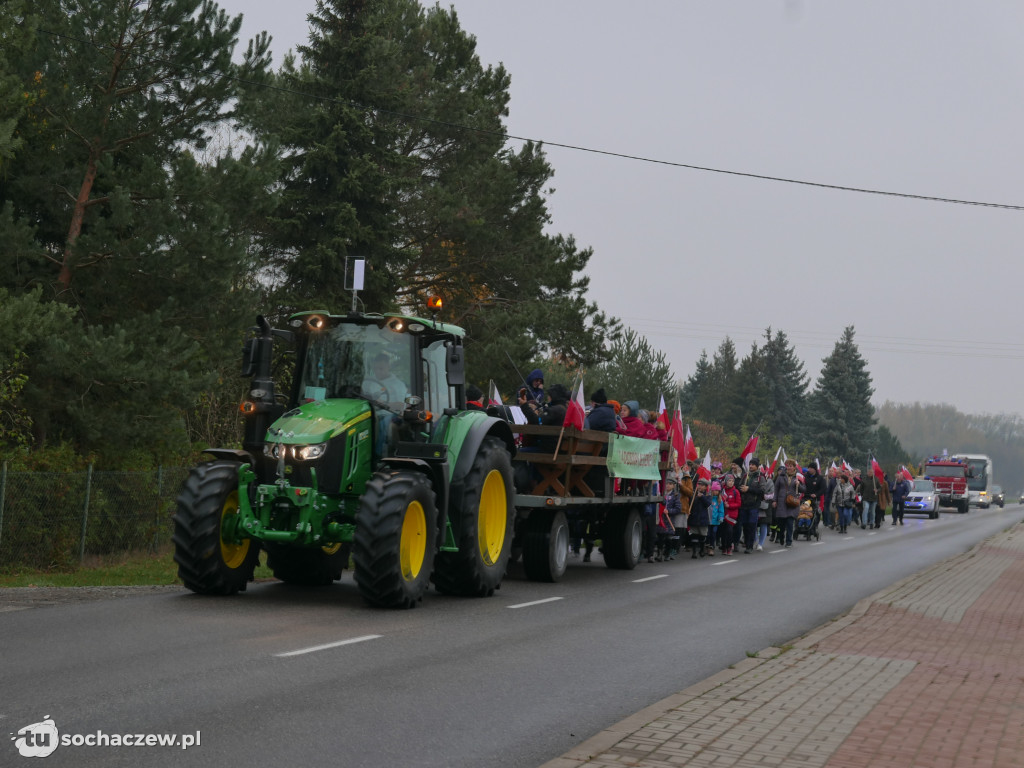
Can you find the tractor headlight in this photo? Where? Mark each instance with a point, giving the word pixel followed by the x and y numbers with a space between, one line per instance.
pixel 309 452
pixel 297 452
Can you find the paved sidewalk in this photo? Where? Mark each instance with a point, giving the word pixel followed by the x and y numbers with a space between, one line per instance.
pixel 929 672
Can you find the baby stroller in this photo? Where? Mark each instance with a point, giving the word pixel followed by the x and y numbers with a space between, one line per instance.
pixel 807 520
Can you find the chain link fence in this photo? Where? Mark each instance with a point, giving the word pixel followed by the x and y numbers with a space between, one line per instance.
pixel 54 520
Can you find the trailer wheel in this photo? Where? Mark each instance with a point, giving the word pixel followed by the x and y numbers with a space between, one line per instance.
pixel 546 545
pixel 623 539
pixel 396 538
pixel 308 567
pixel 484 527
pixel 212 559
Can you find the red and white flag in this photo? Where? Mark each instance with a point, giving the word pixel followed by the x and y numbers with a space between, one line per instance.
pixel 575 411
pixel 846 466
pixel 748 451
pixel 877 470
pixel 704 469
pixel 493 398
pixel 775 461
pixel 689 449
pixel 662 420
pixel 906 473
pixel 676 437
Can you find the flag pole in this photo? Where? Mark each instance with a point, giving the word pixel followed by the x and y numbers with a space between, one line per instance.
pixel 561 432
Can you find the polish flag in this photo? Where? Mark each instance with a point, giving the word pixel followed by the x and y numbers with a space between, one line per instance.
pixel 689 449
pixel 877 470
pixel 493 398
pixel 775 461
pixel 704 470
pixel 846 466
pixel 575 411
pixel 906 473
pixel 748 451
pixel 676 437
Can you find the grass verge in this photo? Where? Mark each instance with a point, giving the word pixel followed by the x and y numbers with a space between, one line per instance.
pixel 131 569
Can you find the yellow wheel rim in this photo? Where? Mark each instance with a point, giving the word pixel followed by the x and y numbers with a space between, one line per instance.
pixel 332 549
pixel 492 520
pixel 413 545
pixel 232 553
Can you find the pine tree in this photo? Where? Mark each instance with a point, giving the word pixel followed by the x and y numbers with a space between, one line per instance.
pixel 636 371
pixel 401 159
pixel 691 389
pixel 716 401
pixel 107 198
pixel 840 417
pixel 785 384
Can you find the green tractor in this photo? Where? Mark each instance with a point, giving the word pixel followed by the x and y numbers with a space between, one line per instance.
pixel 372 455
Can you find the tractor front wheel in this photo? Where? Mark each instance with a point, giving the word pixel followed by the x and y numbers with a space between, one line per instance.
pixel 212 558
pixel 483 527
pixel 396 538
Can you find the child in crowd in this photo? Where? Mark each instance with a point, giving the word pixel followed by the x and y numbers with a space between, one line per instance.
pixel 717 516
pixel 731 502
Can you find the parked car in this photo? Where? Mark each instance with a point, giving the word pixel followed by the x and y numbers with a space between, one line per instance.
pixel 997 496
pixel 923 497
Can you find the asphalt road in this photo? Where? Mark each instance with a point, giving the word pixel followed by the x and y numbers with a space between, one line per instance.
pixel 508 681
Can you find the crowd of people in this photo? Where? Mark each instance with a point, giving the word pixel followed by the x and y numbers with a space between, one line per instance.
pixel 749 506
pixel 746 506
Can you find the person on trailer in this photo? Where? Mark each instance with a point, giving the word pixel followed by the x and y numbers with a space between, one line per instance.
pixel 602 413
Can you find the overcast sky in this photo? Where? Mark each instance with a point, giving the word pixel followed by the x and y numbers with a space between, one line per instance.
pixel 921 97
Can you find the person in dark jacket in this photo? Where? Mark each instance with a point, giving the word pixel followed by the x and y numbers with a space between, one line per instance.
pixel 869 500
pixel 815 486
pixel 699 519
pixel 753 487
pixel 787 485
pixel 900 490
pixel 602 414
pixel 535 386
pixel 554 415
pixel 474 398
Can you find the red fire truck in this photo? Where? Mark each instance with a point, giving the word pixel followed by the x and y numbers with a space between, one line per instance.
pixel 950 478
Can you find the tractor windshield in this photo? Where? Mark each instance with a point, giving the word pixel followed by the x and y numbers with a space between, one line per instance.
pixel 358 360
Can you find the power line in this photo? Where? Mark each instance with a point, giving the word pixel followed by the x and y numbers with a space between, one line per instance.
pixel 575 147
pixel 949 348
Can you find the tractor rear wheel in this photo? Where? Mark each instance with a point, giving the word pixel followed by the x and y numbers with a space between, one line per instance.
pixel 623 538
pixel 396 538
pixel 307 567
pixel 483 527
pixel 212 559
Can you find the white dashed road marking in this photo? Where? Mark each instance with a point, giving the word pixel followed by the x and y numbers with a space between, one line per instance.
pixel 325 646
pixel 537 602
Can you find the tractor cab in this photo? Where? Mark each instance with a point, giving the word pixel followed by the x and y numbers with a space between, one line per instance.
pixel 402 373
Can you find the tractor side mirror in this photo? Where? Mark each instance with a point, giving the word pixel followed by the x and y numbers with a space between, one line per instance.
pixel 249 358
pixel 456 365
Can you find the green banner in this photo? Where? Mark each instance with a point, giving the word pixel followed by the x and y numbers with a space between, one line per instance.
pixel 635 458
